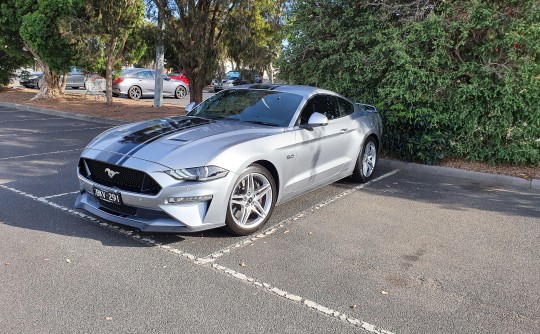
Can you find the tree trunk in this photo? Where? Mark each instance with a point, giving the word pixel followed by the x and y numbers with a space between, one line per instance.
pixel 196 86
pixel 271 73
pixel 49 84
pixel 63 84
pixel 108 78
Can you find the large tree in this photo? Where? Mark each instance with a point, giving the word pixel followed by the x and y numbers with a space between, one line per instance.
pixel 111 23
pixel 12 54
pixel 196 31
pixel 456 78
pixel 254 36
pixel 46 27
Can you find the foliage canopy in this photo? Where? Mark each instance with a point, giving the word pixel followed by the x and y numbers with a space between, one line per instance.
pixel 458 78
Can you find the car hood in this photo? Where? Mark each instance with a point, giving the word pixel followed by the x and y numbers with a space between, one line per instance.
pixel 178 142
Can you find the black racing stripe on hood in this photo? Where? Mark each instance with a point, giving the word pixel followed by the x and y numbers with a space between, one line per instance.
pixel 134 141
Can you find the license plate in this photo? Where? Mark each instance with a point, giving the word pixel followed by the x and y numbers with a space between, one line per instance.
pixel 108 196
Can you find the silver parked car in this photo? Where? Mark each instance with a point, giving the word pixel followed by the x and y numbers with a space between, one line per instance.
pixel 229 161
pixel 136 83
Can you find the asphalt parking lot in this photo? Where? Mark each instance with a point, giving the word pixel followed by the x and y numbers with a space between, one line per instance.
pixel 405 253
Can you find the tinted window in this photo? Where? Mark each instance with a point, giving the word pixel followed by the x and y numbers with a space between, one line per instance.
pixel 145 75
pixel 252 106
pixel 323 104
pixel 345 107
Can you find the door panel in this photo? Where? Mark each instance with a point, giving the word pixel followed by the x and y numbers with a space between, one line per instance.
pixel 321 151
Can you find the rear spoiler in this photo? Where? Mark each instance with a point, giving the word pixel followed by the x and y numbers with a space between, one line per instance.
pixel 367 107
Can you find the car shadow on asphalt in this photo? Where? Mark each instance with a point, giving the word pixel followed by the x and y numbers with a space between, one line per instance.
pixel 459 194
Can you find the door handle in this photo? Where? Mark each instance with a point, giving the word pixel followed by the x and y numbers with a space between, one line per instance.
pixel 343 131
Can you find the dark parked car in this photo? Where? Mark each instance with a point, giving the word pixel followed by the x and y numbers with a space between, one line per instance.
pixel 231 79
pixel 75 79
pixel 30 79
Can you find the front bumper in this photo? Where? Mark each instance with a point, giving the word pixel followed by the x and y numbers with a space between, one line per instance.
pixel 154 213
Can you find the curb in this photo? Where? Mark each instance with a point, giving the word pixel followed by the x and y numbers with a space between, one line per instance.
pixel 81 117
pixel 492 179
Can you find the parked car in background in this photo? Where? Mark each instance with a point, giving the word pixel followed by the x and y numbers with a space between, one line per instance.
pixel 139 82
pixel 179 76
pixel 75 79
pixel 231 79
pixel 30 79
pixel 229 161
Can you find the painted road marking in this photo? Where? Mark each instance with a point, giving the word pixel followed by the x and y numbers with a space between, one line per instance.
pixel 59 195
pixel 40 154
pixel 275 228
pixel 312 305
pixel 30 119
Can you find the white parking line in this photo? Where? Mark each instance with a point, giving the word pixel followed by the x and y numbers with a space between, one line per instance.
pixel 59 195
pixel 40 154
pixel 224 270
pixel 72 130
pixel 286 222
pixel 29 119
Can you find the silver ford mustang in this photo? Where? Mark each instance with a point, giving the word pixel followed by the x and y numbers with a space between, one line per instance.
pixel 229 161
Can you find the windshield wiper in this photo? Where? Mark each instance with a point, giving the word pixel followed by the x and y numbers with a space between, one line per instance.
pixel 262 123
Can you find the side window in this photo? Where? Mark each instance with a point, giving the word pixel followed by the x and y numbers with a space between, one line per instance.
pixel 345 107
pixel 145 75
pixel 323 104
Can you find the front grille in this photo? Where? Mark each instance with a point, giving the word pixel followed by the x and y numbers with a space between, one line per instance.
pixel 117 209
pixel 124 178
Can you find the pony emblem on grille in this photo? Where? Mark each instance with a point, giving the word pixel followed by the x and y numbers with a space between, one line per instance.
pixel 111 172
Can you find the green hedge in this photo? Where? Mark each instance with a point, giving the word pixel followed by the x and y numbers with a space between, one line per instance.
pixel 459 78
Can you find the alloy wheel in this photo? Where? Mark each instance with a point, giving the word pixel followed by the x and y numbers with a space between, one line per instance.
pixel 369 159
pixel 251 201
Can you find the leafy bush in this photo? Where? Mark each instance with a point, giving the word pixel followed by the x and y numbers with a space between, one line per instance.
pixel 455 78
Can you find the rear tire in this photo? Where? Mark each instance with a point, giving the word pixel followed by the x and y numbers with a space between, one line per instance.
pixel 366 161
pixel 251 202
pixel 134 92
pixel 180 92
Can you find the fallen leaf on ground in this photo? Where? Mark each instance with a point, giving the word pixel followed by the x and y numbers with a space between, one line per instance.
pixel 68 260
pixel 286 231
pixel 243 264
pixel 353 306
pixel 384 292
pixel 7 263
pixel 108 318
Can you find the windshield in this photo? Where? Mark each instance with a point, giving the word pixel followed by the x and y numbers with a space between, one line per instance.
pixel 252 106
pixel 232 74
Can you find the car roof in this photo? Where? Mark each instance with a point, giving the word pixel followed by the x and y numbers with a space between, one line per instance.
pixel 302 90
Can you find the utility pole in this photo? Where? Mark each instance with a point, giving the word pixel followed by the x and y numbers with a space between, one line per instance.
pixel 158 92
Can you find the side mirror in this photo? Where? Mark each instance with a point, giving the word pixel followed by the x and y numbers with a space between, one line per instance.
pixel 317 119
pixel 190 107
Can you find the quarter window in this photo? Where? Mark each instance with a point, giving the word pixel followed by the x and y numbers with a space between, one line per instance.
pixel 345 107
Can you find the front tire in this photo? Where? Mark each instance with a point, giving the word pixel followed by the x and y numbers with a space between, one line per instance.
pixel 251 202
pixel 180 92
pixel 134 93
pixel 366 161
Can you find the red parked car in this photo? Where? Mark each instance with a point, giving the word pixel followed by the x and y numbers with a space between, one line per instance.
pixel 179 76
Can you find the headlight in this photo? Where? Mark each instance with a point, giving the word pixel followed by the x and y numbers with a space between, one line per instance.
pixel 205 173
pixel 32 77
